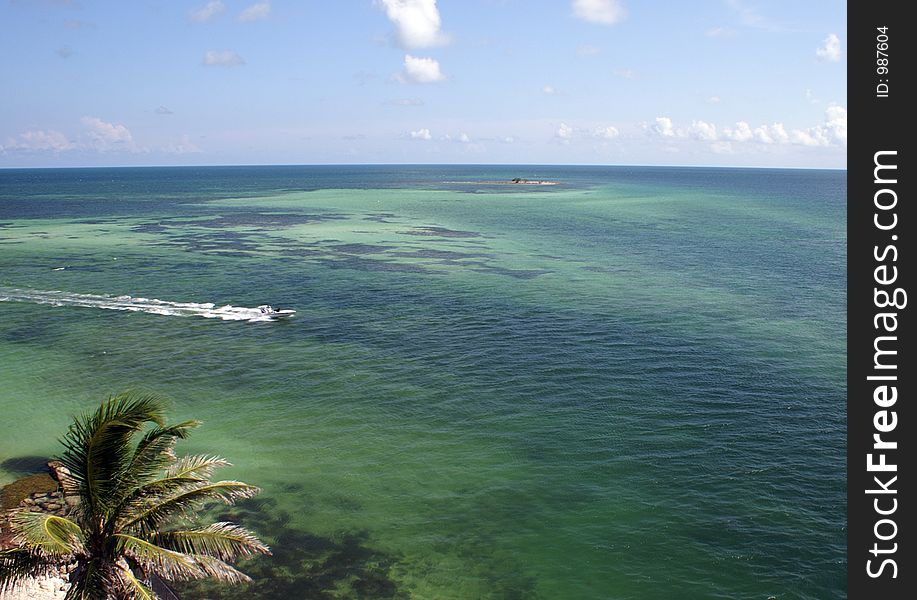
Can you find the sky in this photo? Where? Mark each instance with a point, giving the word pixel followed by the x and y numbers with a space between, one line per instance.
pixel 220 82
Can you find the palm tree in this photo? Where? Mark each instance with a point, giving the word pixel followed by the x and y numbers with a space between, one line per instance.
pixel 133 525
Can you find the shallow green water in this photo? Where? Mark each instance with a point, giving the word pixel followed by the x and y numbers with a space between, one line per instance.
pixel 629 385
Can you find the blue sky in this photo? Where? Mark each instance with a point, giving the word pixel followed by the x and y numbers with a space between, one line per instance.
pixel 155 82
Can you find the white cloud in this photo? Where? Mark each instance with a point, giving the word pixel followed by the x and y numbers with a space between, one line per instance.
pixel 209 11
pixel 183 146
pixel 421 134
pixel 606 12
pixel 833 132
pixel 40 141
pixel 720 32
pixel 564 132
pixel 223 58
pixel 663 126
pixel 830 49
pixel 836 123
pixel 608 133
pixel 256 12
pixel 417 22
pixel 778 132
pixel 741 133
pixel 422 70
pixel 714 100
pixel 106 136
pixel 701 130
pixel 549 90
pixel 464 138
pixel 625 73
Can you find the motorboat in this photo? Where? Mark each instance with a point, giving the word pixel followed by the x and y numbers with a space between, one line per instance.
pixel 275 313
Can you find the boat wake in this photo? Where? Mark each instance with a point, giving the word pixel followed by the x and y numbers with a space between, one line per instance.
pixel 208 310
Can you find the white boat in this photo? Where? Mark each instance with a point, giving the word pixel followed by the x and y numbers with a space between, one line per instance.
pixel 269 311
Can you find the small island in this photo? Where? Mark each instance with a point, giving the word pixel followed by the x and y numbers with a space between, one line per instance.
pixel 514 181
pixel 520 181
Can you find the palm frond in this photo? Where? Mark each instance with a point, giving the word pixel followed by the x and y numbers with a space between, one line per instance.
pixel 199 466
pixel 224 541
pixel 187 502
pixel 49 534
pixel 216 568
pixel 167 563
pixel 20 564
pixel 98 446
pixel 185 474
pixel 132 587
pixel 155 451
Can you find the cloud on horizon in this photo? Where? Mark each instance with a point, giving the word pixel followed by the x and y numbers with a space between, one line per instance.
pixel 832 132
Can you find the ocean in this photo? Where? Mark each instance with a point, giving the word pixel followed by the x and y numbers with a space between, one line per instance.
pixel 628 385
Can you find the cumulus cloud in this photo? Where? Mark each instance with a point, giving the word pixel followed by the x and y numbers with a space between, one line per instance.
pixel 417 22
pixel 606 12
pixel 39 141
pixel 209 11
pixel 564 132
pixel 549 90
pixel 663 126
pixel 183 146
pixel 714 100
pixel 740 133
pixel 421 134
pixel 832 132
pixel 701 130
pixel 222 58
pixel 421 70
pixel 464 138
pixel 256 12
pixel 830 49
pixel 106 136
pixel 606 133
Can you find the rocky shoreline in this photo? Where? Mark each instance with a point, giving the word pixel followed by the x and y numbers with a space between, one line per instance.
pixel 44 493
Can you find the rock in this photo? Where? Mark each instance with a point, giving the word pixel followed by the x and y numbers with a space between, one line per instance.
pixel 19 490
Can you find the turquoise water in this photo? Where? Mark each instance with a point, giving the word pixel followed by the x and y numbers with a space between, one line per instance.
pixel 628 385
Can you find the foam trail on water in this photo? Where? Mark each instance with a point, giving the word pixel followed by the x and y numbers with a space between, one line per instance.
pixel 208 310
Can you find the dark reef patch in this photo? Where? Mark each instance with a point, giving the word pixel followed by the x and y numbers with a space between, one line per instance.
pixel 303 565
pixel 517 273
pixel 435 254
pixel 441 232
pixel 371 265
pixel 360 248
